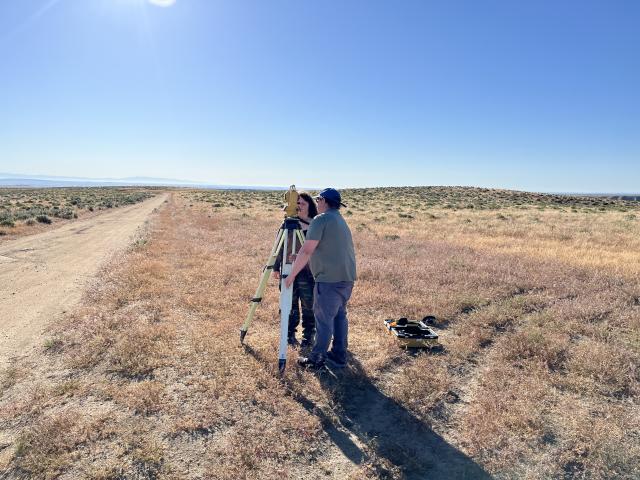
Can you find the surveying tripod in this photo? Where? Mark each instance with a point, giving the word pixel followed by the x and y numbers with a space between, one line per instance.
pixel 289 231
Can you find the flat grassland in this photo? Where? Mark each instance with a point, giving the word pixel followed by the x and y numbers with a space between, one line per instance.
pixel 30 210
pixel 537 303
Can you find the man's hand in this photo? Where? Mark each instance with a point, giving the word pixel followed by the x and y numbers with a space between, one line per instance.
pixel 289 281
pixel 276 274
pixel 308 247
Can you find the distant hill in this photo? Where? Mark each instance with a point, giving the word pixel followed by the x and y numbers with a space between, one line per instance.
pixel 635 198
pixel 46 181
pixel 475 198
pixel 612 196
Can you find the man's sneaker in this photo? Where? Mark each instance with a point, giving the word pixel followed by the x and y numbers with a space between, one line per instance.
pixel 333 361
pixel 309 363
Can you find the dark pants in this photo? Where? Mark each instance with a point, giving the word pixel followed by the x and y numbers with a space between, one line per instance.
pixel 303 296
pixel 330 308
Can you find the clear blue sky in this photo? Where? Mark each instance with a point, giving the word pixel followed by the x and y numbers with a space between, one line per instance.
pixel 538 95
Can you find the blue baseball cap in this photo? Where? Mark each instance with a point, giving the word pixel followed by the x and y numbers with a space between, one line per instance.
pixel 331 194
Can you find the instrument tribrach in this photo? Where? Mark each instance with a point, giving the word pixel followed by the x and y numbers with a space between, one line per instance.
pixel 289 233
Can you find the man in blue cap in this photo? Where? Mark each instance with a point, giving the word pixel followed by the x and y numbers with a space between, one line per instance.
pixel 329 250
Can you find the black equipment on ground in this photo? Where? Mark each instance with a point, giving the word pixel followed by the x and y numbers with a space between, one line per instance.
pixel 413 333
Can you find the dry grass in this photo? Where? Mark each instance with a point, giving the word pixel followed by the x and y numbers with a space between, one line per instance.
pixel 538 377
pixel 31 210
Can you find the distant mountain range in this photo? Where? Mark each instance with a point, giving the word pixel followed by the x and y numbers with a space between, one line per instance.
pixel 612 196
pixel 48 181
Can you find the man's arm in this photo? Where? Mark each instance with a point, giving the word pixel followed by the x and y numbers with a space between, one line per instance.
pixel 302 259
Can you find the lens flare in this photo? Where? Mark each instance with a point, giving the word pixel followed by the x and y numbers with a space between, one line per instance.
pixel 162 3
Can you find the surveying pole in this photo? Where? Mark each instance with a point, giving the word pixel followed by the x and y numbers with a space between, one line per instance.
pixel 289 232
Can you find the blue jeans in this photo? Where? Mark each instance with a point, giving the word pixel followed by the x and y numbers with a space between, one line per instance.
pixel 330 309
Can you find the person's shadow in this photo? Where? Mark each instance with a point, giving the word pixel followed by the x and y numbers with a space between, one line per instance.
pixel 389 437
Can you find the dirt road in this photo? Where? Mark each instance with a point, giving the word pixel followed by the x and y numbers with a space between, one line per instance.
pixel 44 275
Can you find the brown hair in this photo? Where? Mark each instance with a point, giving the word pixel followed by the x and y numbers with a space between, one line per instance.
pixel 313 208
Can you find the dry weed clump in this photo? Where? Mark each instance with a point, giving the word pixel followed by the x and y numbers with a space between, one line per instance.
pixel 144 398
pixel 48 447
pixel 260 444
pixel 537 344
pixel 376 468
pixel 510 419
pixel 139 350
pixel 598 441
pixel 609 369
pixel 29 405
pixel 422 384
pixel 9 377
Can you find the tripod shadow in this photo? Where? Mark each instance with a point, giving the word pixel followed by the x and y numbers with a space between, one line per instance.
pixel 392 432
pixel 337 435
pixel 385 430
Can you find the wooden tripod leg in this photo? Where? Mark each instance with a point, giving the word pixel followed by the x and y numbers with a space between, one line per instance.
pixel 277 246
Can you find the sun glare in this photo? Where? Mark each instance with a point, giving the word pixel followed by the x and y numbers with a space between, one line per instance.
pixel 162 3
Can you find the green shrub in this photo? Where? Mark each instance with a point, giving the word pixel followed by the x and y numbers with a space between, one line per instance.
pixel 43 219
pixel 67 214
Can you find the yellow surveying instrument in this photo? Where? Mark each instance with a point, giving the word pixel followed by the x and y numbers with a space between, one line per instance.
pixel 289 232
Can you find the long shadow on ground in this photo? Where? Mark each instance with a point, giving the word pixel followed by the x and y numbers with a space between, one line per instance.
pixel 384 428
pixel 393 432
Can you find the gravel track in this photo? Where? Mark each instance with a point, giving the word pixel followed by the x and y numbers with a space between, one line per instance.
pixel 42 276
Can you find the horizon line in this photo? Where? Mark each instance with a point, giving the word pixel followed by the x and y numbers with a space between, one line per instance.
pixel 169 182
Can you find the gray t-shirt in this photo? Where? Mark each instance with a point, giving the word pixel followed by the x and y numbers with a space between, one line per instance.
pixel 334 259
